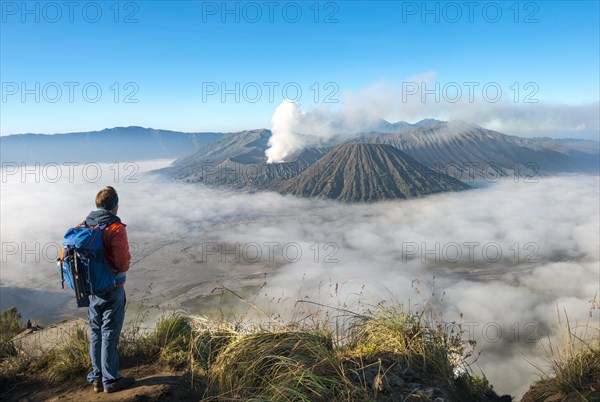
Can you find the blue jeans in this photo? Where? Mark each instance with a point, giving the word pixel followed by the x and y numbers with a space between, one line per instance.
pixel 106 314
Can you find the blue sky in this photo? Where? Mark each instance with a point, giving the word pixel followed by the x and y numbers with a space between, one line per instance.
pixel 177 58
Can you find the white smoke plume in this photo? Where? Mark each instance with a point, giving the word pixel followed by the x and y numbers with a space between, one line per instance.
pixel 294 129
pixel 285 122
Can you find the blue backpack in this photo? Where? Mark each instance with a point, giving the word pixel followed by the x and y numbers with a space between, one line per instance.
pixel 83 265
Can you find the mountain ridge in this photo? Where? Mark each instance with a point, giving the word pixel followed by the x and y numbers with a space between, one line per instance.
pixel 108 145
pixel 462 150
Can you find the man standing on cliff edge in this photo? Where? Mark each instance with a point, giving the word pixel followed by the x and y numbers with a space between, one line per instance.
pixel 106 311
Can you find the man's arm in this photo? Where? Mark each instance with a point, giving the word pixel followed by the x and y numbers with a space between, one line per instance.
pixel 121 258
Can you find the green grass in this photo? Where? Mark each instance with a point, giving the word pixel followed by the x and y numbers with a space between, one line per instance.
pixel 322 355
pixel 210 339
pixel 393 331
pixel 281 366
pixel 170 340
pixel 313 360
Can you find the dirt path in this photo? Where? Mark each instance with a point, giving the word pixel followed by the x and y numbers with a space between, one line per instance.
pixel 153 383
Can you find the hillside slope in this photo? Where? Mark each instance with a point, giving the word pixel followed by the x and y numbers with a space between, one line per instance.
pixel 369 172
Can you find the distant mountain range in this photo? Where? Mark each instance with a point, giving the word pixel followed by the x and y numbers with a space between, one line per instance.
pixel 413 159
pixel 109 145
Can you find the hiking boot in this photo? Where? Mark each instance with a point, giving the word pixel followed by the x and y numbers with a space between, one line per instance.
pixel 119 385
pixel 97 384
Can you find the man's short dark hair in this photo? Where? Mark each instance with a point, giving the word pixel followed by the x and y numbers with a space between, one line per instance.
pixel 106 198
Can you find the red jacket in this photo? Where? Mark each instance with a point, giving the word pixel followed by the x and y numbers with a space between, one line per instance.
pixel 116 247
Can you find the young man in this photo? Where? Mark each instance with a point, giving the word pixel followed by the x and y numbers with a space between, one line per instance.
pixel 106 312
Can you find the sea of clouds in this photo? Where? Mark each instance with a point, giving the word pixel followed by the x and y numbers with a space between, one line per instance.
pixel 505 256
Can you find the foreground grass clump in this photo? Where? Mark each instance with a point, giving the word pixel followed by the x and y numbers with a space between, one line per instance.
pixel 170 339
pixel 574 369
pixel 434 353
pixel 413 342
pixel 210 339
pixel 282 366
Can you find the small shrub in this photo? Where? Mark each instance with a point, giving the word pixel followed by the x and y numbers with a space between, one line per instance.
pixel 10 324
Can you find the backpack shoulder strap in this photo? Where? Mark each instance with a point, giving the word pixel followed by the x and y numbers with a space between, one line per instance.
pixel 85 225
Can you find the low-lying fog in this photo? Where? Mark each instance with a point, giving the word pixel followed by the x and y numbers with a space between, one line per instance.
pixel 506 255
